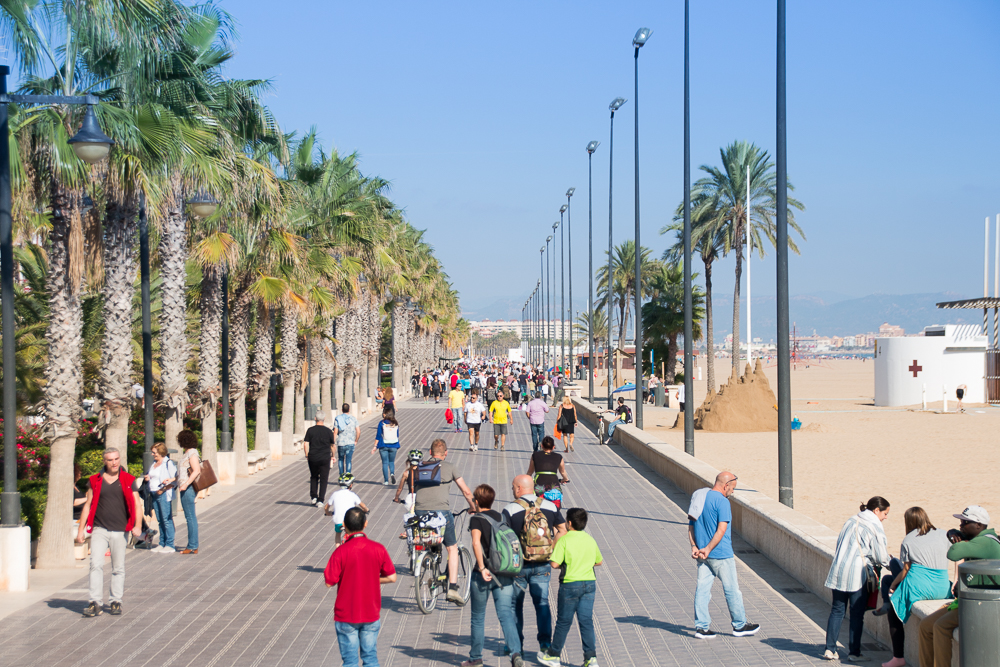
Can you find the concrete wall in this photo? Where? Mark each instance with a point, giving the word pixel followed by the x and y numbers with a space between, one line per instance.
pixel 801 546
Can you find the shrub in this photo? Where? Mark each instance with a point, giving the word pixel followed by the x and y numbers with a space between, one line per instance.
pixel 90 462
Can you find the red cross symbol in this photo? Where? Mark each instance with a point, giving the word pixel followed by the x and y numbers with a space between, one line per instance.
pixel 914 368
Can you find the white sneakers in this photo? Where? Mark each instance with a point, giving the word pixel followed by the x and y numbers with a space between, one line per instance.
pixel 163 550
pixel 830 655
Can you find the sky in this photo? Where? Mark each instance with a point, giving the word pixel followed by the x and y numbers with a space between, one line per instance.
pixel 479 115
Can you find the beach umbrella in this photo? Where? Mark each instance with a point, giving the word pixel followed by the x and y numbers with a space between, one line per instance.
pixel 625 387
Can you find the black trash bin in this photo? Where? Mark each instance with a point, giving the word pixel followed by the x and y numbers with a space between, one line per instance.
pixel 979 612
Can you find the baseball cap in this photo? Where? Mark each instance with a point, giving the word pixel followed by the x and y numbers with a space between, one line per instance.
pixel 974 513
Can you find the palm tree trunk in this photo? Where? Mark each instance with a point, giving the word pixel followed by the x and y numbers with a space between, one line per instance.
pixel 174 348
pixel 260 376
pixel 709 330
pixel 63 374
pixel 210 341
pixel 672 361
pixel 240 343
pixel 736 309
pixel 115 385
pixel 289 367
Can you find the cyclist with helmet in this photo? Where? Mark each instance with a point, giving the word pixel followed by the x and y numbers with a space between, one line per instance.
pixel 342 500
pixel 413 458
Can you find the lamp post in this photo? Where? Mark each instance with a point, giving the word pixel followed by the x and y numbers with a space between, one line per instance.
pixel 688 321
pixel 638 41
pixel 615 105
pixel 591 147
pixel 544 325
pixel 785 495
pixel 562 290
pixel 552 313
pixel 147 336
pixel 90 145
pixel 569 234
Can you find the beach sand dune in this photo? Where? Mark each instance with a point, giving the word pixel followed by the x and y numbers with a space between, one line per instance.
pixel 849 450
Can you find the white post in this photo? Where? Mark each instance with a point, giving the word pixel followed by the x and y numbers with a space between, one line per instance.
pixel 996 262
pixel 944 398
pixel 923 396
pixel 749 254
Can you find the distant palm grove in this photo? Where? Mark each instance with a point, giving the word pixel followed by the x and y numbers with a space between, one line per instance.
pixel 315 256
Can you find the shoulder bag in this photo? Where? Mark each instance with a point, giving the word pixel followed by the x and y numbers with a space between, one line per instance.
pixel 206 479
pixel 871 575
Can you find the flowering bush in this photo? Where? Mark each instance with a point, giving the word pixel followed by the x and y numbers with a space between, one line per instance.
pixel 32 453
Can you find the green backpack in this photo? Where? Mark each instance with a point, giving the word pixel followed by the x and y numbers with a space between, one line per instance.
pixel 505 557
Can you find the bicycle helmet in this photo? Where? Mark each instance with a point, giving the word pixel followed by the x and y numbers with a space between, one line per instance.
pixel 346 480
pixel 415 456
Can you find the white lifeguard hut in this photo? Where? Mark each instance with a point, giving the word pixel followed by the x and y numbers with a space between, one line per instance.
pixel 909 370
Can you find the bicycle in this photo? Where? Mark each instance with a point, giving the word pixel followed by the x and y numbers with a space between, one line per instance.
pixel 429 565
pixel 601 430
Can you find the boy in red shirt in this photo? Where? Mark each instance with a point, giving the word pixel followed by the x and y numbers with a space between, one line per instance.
pixel 359 566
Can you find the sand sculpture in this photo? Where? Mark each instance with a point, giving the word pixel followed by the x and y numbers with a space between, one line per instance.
pixel 743 405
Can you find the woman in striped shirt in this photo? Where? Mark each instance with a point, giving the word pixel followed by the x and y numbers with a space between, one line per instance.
pixel 861 543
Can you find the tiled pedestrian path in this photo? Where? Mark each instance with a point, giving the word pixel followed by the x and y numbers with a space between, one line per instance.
pixel 255 594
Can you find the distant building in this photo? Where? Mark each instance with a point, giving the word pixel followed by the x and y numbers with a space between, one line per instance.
pixel 890 331
pixel 488 328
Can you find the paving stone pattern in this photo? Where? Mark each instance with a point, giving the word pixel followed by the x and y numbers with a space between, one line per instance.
pixel 255 594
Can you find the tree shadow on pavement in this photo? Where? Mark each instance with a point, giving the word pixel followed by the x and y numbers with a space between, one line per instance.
pixel 72 605
pixel 290 502
pixel 647 622
pixel 426 655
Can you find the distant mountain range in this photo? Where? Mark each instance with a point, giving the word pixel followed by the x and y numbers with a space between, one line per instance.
pixel 827 313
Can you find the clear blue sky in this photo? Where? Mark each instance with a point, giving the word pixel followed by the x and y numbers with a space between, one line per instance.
pixel 479 114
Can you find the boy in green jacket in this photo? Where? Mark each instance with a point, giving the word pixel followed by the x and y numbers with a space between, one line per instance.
pixel 973 541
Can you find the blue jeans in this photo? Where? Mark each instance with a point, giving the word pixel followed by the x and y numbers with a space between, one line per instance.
pixel 858 604
pixel 724 569
pixel 503 599
pixel 535 578
pixel 457 414
pixel 351 636
pixel 895 567
pixel 612 426
pixel 388 455
pixel 164 515
pixel 576 597
pixel 344 455
pixel 537 433
pixel 187 502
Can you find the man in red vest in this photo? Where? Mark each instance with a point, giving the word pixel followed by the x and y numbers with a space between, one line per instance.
pixel 110 513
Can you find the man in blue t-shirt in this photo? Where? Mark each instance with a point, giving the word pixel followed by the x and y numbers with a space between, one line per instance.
pixel 711 536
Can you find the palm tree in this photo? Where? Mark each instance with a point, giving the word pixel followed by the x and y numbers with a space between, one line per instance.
pixel 622 291
pixel 720 205
pixel 663 315
pixel 710 247
pixel 599 332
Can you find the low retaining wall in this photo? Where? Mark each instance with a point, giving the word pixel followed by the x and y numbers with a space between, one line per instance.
pixel 800 546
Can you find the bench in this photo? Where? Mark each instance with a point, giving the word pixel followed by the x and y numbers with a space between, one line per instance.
pixel 257 460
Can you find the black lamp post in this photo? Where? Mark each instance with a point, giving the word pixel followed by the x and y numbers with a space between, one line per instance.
pixel 785 495
pixel 552 295
pixel 591 147
pixel 688 322
pixel 569 313
pixel 147 336
pixel 543 327
pixel 90 145
pixel 562 289
pixel 640 38
pixel 615 105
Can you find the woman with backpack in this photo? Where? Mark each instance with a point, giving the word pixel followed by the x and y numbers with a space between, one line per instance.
pixel 387 444
pixel 492 393
pixel 546 467
pixel 495 546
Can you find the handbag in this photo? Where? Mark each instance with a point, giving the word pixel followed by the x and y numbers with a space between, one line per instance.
pixel 206 479
pixel 872 583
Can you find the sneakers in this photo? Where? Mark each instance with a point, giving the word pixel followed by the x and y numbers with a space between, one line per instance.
pixel 516 660
pixel 93 609
pixel 590 662
pixel 313 502
pixel 704 634
pixel 387 483
pixel 548 659
pixel 857 658
pixel 881 611
pixel 830 655
pixel 164 550
pixel 473 663
pixel 456 597
pixel 392 478
pixel 116 608
pixel 746 630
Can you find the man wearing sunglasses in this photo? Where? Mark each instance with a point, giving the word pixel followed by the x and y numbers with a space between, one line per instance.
pixel 972 541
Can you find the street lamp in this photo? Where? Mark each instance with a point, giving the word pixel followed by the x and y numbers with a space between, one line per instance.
pixel 562 279
pixel 591 147
pixel 91 145
pixel 688 321
pixel 640 38
pixel 615 105
pixel 544 325
pixel 555 226
pixel 569 234
pixel 203 205
pixel 785 495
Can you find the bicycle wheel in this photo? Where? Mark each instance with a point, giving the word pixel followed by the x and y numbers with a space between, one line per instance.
pixel 600 431
pixel 425 583
pixel 464 572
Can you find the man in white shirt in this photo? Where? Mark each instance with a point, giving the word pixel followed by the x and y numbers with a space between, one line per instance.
pixel 342 500
pixel 475 412
pixel 680 396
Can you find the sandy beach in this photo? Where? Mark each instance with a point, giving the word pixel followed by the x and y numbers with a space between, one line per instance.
pixel 848 450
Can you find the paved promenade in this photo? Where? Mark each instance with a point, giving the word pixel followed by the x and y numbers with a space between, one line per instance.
pixel 255 594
